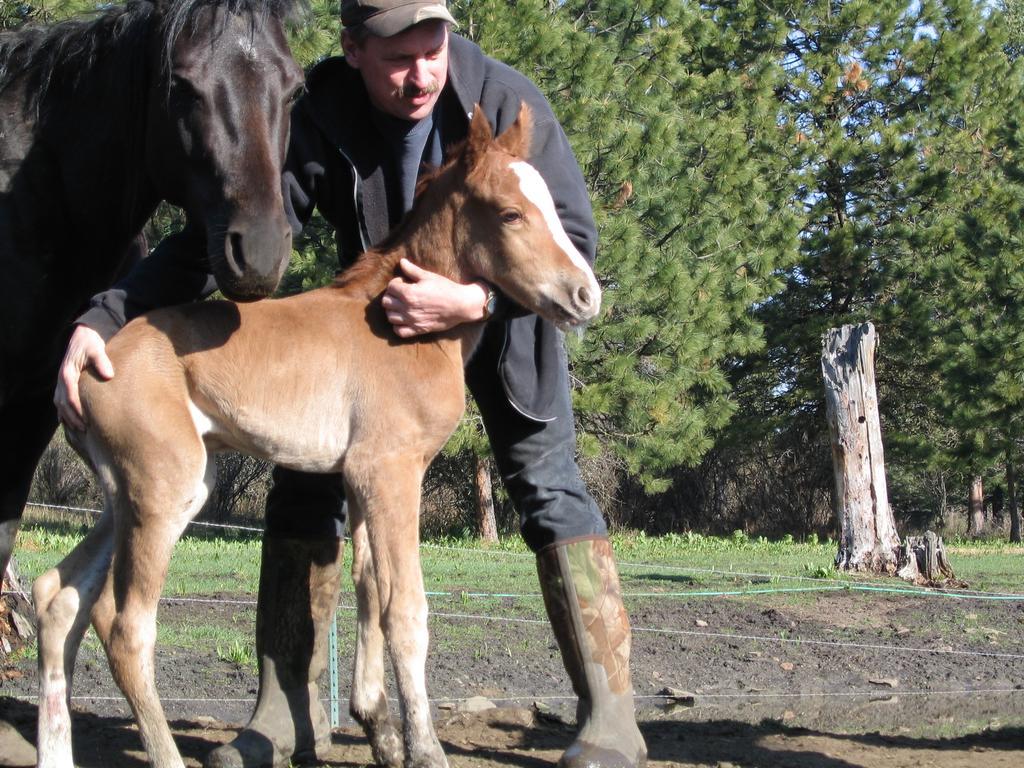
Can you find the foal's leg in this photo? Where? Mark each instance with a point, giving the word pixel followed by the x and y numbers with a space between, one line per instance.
pixel 63 596
pixel 369 702
pixel 387 487
pixel 171 493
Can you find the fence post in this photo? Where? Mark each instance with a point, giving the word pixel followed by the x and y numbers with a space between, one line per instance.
pixel 332 650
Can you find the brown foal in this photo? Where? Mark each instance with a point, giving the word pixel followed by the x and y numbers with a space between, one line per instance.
pixel 316 382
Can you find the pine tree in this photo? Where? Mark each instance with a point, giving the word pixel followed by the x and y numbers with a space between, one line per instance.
pixel 886 103
pixel 318 33
pixel 966 306
pixel 678 156
pixel 978 341
pixel 1014 13
pixel 15 14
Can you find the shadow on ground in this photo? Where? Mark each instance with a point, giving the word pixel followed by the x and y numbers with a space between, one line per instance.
pixel 521 739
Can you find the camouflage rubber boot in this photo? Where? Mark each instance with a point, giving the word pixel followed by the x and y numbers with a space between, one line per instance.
pixel 299 584
pixel 581 593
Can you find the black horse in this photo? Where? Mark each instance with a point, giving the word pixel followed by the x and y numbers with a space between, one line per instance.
pixel 101 119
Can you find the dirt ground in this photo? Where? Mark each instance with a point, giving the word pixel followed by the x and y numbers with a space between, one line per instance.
pixel 771 687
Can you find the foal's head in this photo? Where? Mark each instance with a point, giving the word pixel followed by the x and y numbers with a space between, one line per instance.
pixel 511 234
pixel 218 122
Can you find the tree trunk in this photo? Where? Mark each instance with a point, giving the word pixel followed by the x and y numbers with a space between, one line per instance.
pixel 486 524
pixel 976 508
pixel 1011 499
pixel 868 540
pixel 997 505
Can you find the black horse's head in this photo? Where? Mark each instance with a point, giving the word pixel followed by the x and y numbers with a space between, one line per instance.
pixel 217 132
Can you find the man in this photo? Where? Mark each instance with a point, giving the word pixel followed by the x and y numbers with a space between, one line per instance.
pixel 402 94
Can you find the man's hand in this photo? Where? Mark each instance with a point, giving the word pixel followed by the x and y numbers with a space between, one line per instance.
pixel 425 302
pixel 86 348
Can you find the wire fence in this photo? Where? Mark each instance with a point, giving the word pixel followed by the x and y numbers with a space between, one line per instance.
pixel 860 585
pixel 333 700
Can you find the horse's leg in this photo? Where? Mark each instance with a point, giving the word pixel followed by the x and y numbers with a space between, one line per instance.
pixel 25 440
pixel 369 702
pixel 63 597
pixel 387 487
pixel 171 491
pixel 23 447
pixel 26 426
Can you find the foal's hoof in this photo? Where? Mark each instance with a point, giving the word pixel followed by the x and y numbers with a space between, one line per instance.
pixel 385 743
pixel 432 759
pixel 388 752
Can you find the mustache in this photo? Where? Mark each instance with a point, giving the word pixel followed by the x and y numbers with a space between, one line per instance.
pixel 411 91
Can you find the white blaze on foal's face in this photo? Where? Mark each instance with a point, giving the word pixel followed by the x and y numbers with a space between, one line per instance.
pixel 534 189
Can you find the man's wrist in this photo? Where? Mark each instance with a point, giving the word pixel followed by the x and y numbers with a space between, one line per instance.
pixel 87 331
pixel 98 319
pixel 490 302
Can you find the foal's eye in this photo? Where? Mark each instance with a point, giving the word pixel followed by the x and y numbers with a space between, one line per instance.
pixel 511 216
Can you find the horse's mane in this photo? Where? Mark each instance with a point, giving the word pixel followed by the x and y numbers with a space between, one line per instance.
pixel 184 14
pixel 371 268
pixel 41 54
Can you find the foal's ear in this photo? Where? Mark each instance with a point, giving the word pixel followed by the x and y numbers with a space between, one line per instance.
pixel 516 138
pixel 480 137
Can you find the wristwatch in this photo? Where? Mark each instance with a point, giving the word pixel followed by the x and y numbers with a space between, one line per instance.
pixel 491 303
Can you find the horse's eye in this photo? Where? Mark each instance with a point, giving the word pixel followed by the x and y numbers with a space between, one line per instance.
pixel 511 216
pixel 295 95
pixel 183 91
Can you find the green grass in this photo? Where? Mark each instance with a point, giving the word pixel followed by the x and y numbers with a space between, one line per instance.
pixel 191 634
pixel 988 567
pixel 240 652
pixel 462 576
pixel 203 565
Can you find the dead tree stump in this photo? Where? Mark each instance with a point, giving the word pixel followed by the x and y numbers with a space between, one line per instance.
pixel 17 617
pixel 868 540
pixel 923 561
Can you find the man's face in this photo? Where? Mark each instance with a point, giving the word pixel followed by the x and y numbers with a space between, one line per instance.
pixel 404 74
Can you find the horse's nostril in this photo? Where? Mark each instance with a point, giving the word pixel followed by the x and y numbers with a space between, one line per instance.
pixel 583 298
pixel 236 252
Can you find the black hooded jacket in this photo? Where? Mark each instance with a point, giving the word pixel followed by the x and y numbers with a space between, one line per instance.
pixel 334 165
